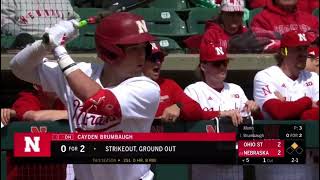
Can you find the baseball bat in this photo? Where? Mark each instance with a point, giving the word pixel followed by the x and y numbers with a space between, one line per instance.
pixel 117 6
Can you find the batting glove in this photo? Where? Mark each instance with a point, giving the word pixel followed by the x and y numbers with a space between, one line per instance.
pixel 62 32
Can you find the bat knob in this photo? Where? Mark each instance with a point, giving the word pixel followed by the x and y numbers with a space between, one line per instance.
pixel 45 38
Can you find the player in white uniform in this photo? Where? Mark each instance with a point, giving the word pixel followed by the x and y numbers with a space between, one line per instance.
pixel 213 94
pixel 102 98
pixel 287 91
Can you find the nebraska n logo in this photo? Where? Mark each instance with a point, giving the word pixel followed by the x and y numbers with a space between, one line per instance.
pixel 312 53
pixel 142 26
pixel 219 50
pixel 302 37
pixel 32 144
pixel 154 46
pixel 266 90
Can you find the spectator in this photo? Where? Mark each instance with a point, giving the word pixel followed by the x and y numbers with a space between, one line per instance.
pixel 313 60
pixel 282 16
pixel 32 17
pixel 213 94
pixel 287 91
pixel 307 6
pixel 227 24
pixel 174 103
pixel 35 106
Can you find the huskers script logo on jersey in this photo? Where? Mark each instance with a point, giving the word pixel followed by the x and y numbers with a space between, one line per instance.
pixel 91 121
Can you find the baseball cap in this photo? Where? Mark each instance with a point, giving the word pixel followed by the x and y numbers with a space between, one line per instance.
pixel 209 52
pixel 313 51
pixel 294 39
pixel 157 54
pixel 232 5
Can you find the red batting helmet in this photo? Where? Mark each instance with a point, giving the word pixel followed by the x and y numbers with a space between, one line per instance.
pixel 157 54
pixel 120 28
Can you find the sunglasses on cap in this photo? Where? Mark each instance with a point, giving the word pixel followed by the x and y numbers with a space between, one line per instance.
pixel 156 57
pixel 219 63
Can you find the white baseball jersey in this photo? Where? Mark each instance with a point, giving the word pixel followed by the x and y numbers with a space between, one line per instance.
pixel 138 98
pixel 231 96
pixel 272 79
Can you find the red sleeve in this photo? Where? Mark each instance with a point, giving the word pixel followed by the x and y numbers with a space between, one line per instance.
pixel 104 102
pixel 287 110
pixel 58 105
pixel 27 101
pixel 257 3
pixel 260 23
pixel 315 26
pixel 314 4
pixel 190 109
pixel 193 42
pixel 310 114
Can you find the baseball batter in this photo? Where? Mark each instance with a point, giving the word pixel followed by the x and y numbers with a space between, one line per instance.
pixel 101 98
pixel 287 91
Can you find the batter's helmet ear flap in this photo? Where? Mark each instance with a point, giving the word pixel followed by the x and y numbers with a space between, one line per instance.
pixel 109 52
pixel 111 57
pixel 148 50
pixel 284 51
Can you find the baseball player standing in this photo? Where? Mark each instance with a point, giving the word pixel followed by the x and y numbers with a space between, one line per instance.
pixel 213 94
pixel 286 90
pixel 110 97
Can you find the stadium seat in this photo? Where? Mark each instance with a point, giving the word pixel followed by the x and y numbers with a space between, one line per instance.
pixel 197 18
pixel 6 41
pixel 85 13
pixel 169 4
pixel 169 45
pixel 253 12
pixel 82 43
pixel 316 12
pixel 162 22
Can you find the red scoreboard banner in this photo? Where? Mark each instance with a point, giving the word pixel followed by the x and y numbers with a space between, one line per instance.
pixel 163 147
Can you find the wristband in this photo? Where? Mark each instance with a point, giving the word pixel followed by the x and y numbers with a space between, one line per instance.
pixel 67 65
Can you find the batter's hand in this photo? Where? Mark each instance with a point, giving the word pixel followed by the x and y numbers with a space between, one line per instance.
pixel 170 114
pixel 6 114
pixel 234 115
pixel 62 32
pixel 251 106
pixel 281 98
